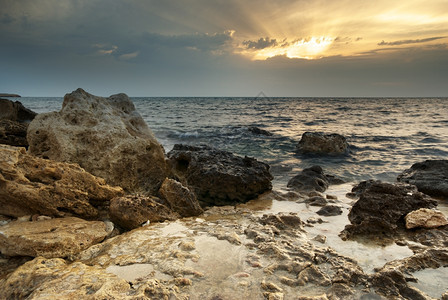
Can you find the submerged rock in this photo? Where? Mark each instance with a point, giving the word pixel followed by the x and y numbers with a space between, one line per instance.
pixel 60 237
pixel 426 218
pixel 312 179
pixel 30 185
pixel 219 177
pixel 430 177
pixel 382 207
pixel 259 131
pixel 133 211
pixel 105 136
pixel 180 198
pixel 322 143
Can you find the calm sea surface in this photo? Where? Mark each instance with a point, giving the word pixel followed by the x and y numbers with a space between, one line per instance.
pixel 386 135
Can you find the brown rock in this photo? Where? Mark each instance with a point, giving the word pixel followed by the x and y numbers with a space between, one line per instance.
pixel 132 211
pixel 15 111
pixel 426 218
pixel 13 133
pixel 321 143
pixel 180 198
pixel 59 237
pixel 105 136
pixel 31 185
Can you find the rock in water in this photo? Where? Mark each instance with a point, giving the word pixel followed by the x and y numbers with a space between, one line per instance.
pixel 312 179
pixel 321 143
pixel 426 218
pixel 133 211
pixel 382 207
pixel 180 198
pixel 31 185
pixel 218 177
pixel 430 177
pixel 59 237
pixel 14 120
pixel 105 136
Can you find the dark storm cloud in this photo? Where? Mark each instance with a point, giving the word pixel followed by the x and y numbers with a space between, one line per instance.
pixel 260 43
pixel 404 42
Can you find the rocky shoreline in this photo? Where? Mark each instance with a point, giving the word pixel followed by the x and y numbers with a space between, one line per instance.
pixel 95 209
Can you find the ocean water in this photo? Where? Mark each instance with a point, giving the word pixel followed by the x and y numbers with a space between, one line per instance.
pixel 386 135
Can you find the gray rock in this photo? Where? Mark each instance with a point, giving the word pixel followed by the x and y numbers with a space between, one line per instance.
pixel 382 207
pixel 430 177
pixel 219 177
pixel 311 179
pixel 105 136
pixel 322 143
pixel 329 210
pixel 180 198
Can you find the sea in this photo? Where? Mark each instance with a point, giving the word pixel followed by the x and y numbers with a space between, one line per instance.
pixel 386 135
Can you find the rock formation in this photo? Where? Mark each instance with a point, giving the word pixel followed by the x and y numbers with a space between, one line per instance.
pixel 321 143
pixel 133 211
pixel 312 179
pixel 430 177
pixel 105 136
pixel 14 120
pixel 180 198
pixel 60 237
pixel 31 185
pixel 218 177
pixel 382 207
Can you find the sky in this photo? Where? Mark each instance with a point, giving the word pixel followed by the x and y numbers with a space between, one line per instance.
pixel 297 48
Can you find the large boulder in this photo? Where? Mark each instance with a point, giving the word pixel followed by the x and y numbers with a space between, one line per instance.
pixel 105 136
pixel 61 237
pixel 322 143
pixel 31 185
pixel 133 211
pixel 382 207
pixel 312 179
pixel 430 177
pixel 219 177
pixel 14 120
pixel 180 198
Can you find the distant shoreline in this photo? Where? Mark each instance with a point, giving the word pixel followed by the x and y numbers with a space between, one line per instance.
pixel 9 95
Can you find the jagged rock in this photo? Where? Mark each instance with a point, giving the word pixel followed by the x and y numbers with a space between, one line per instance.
pixel 55 279
pixel 312 179
pixel 15 111
pixel 321 143
pixel 60 237
pixel 105 136
pixel 430 177
pixel 382 207
pixel 133 211
pixel 14 119
pixel 30 185
pixel 259 131
pixel 329 210
pixel 218 177
pixel 426 218
pixel 180 198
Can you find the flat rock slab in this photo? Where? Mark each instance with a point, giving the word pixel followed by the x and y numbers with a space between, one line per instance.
pixel 430 177
pixel 60 237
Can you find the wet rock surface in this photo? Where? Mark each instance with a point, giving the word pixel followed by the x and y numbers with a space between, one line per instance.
pixel 219 177
pixel 430 177
pixel 60 237
pixel 322 143
pixel 312 179
pixel 105 136
pixel 133 211
pixel 259 131
pixel 382 207
pixel 30 185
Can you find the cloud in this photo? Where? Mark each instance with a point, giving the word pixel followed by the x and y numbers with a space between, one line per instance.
pixel 262 43
pixel 129 55
pixel 404 42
